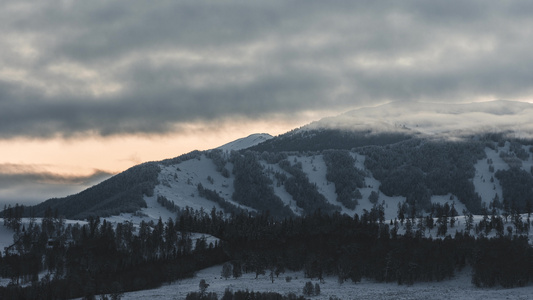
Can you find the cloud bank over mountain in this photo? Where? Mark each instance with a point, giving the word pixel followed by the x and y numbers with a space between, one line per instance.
pixel 438 118
pixel 133 67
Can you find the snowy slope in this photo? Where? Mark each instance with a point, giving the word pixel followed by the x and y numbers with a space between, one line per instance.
pixel 246 142
pixel 486 184
pixel 178 183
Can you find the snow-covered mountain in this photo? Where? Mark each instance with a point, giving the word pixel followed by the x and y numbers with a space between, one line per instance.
pixel 370 158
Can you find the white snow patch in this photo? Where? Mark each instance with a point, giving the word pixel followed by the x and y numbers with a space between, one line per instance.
pixel 485 183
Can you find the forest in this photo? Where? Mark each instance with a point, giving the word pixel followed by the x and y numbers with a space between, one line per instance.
pixel 84 260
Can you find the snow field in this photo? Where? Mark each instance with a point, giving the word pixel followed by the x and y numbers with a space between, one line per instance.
pixel 459 287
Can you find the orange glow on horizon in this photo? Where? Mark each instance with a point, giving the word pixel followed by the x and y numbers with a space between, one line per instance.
pixel 84 155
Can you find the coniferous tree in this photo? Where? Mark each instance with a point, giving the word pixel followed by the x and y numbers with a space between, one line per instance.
pixel 227 270
pixel 309 289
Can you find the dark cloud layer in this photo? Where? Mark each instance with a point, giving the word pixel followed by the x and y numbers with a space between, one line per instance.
pixel 107 68
pixel 13 174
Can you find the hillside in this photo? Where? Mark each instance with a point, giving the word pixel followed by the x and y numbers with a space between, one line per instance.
pixel 393 157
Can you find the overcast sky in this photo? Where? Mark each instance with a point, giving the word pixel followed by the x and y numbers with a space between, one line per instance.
pixel 89 88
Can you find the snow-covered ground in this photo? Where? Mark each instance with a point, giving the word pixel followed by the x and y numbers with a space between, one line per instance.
pixel 459 287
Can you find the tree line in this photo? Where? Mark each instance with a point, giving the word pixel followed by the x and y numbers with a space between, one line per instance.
pixel 98 257
pixel 83 260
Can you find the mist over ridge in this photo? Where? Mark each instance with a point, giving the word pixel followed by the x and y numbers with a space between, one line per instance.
pixel 436 119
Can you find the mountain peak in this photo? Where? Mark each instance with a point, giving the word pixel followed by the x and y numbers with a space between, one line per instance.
pixel 246 142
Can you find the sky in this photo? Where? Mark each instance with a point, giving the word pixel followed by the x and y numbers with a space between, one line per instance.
pixel 91 88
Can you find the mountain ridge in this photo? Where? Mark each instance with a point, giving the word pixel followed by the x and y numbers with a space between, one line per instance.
pixel 400 169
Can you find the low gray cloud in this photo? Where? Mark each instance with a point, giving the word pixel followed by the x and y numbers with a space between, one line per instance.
pixel 108 68
pixel 11 174
pixel 28 184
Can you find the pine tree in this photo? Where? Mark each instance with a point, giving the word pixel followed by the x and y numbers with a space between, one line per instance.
pixel 308 289
pixel 317 289
pixel 227 270
pixel 203 286
pixel 237 269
